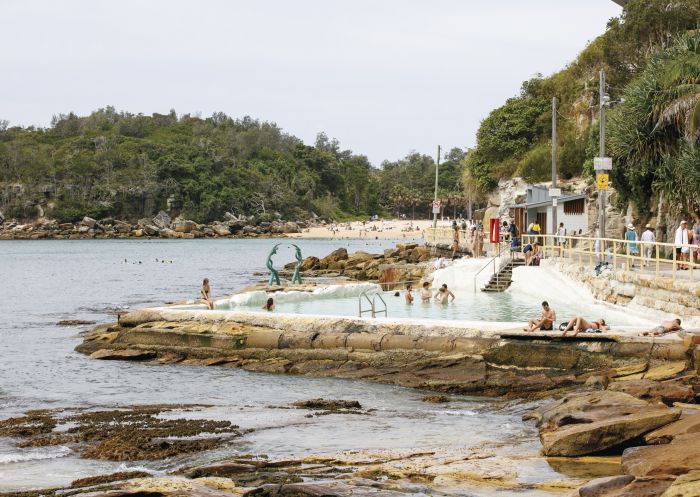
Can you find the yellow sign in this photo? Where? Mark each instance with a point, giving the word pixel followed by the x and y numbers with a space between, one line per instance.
pixel 602 181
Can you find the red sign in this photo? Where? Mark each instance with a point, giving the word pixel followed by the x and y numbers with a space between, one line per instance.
pixel 494 230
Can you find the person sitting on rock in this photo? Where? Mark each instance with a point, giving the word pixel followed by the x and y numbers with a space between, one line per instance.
pixel 205 294
pixel 425 293
pixel 269 305
pixel 530 252
pixel 664 328
pixel 546 320
pixel 579 324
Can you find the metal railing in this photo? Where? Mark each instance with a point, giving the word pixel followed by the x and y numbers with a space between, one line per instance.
pixel 501 257
pixel 372 304
pixel 658 258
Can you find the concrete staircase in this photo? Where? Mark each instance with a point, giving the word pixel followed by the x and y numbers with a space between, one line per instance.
pixel 501 281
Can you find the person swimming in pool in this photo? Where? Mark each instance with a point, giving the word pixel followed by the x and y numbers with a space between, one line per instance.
pixel 205 294
pixel 443 295
pixel 425 293
pixel 546 320
pixel 579 324
pixel 409 295
pixel 269 305
pixel 664 328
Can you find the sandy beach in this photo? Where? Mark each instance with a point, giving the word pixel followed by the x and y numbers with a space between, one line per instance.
pixel 394 228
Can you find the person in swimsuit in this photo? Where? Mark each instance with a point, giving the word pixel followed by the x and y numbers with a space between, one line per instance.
pixel 443 295
pixel 546 320
pixel 269 305
pixel 409 295
pixel 205 294
pixel 579 324
pixel 664 328
pixel 425 293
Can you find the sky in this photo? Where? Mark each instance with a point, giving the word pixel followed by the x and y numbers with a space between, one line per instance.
pixel 384 77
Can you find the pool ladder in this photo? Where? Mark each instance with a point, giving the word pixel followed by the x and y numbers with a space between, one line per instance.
pixel 365 297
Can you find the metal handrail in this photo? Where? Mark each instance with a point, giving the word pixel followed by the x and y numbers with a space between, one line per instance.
pixel 372 304
pixel 492 260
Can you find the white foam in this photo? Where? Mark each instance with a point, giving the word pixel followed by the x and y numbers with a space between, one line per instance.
pixel 323 292
pixel 34 455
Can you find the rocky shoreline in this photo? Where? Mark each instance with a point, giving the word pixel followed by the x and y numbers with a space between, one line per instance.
pixel 160 226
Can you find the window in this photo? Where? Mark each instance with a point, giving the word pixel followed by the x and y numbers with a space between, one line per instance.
pixel 575 206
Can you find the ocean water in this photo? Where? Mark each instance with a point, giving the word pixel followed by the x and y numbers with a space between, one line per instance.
pixel 47 281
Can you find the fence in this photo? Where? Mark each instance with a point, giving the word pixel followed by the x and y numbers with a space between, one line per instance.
pixel 658 258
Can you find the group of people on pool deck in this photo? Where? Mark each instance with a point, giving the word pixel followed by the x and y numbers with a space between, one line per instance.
pixel 578 324
pixel 442 296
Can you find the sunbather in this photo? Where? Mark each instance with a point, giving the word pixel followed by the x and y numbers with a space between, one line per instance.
pixel 664 328
pixel 579 324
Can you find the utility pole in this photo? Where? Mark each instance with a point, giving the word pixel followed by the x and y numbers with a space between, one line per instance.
pixel 436 210
pixel 553 192
pixel 602 193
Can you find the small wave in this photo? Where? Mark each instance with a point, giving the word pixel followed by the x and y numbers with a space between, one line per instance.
pixel 35 455
pixel 324 292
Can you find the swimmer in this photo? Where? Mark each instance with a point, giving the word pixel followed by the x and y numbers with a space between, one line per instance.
pixel 409 296
pixel 205 294
pixel 425 293
pixel 269 305
pixel 443 295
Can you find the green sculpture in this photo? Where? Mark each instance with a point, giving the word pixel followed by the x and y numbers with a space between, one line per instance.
pixel 274 275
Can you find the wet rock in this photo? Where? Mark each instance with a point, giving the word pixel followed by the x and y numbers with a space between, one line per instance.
pixel 223 469
pixel 123 355
pixel 74 322
pixel 684 426
pixel 98 480
pixel 327 404
pixel 435 399
pixel 678 457
pixel 604 486
pixel 668 392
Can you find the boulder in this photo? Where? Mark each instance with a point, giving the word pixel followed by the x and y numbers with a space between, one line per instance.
pixel 334 257
pixel 221 230
pixel 687 485
pixel 184 226
pixel 168 233
pixel 604 486
pixel 290 227
pixel 684 426
pixel 587 423
pixel 151 230
pixel 123 355
pixel 309 263
pixel 162 220
pixel 680 456
pixel 89 222
pixel 668 392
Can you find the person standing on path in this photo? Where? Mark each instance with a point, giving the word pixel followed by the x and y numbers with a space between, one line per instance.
pixel 681 242
pixel 632 247
pixel 648 239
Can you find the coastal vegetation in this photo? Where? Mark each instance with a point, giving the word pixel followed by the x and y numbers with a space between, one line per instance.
pixel 651 59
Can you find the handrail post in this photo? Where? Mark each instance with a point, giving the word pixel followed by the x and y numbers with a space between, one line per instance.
pixel 673 271
pixel 615 256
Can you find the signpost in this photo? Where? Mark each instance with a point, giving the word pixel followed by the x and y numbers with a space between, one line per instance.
pixel 602 181
pixel 436 206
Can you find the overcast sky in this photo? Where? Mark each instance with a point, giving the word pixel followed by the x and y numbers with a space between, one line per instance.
pixel 383 76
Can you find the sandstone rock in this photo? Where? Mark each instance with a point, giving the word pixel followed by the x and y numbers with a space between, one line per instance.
pixel 123 355
pixel 665 371
pixel 138 233
pixel 668 392
pixel 683 426
pixel 327 404
pixel 680 456
pixel 587 423
pixel 168 233
pixel 89 222
pixel 162 220
pixel 221 230
pixel 221 469
pixel 687 485
pixel 600 487
pixel 309 263
pixel 184 226
pixel 151 230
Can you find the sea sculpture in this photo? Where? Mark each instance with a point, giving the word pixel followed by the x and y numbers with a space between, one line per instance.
pixel 274 275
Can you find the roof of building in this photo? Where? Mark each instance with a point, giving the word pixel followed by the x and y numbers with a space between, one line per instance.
pixel 563 199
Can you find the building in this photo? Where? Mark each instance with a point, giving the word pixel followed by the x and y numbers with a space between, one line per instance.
pixel 572 210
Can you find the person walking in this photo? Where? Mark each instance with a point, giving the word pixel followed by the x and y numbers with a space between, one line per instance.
pixel 681 242
pixel 561 233
pixel 648 240
pixel 632 246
